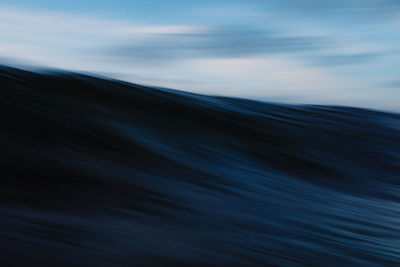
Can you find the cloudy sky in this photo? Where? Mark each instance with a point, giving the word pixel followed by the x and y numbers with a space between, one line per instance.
pixel 343 52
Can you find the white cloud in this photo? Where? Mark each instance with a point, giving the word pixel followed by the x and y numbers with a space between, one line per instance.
pixel 80 42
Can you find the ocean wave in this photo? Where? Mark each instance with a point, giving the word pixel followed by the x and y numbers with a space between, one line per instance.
pixel 99 171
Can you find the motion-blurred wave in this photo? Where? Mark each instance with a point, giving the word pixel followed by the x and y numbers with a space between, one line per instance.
pixel 97 171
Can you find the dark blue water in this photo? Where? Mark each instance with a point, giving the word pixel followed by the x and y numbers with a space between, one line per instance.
pixel 105 173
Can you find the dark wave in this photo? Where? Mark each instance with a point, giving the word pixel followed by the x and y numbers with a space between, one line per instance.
pixel 98 171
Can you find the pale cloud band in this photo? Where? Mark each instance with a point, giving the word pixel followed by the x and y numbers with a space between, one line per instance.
pixel 269 61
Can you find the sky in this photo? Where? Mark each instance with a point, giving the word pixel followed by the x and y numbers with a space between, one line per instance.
pixel 335 52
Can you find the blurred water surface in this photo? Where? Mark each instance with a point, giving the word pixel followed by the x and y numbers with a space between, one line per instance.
pixel 98 171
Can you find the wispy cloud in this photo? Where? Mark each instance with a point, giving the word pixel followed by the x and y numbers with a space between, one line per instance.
pixel 283 57
pixel 218 41
pixel 346 59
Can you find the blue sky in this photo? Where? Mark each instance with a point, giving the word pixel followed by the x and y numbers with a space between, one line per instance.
pixel 343 52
